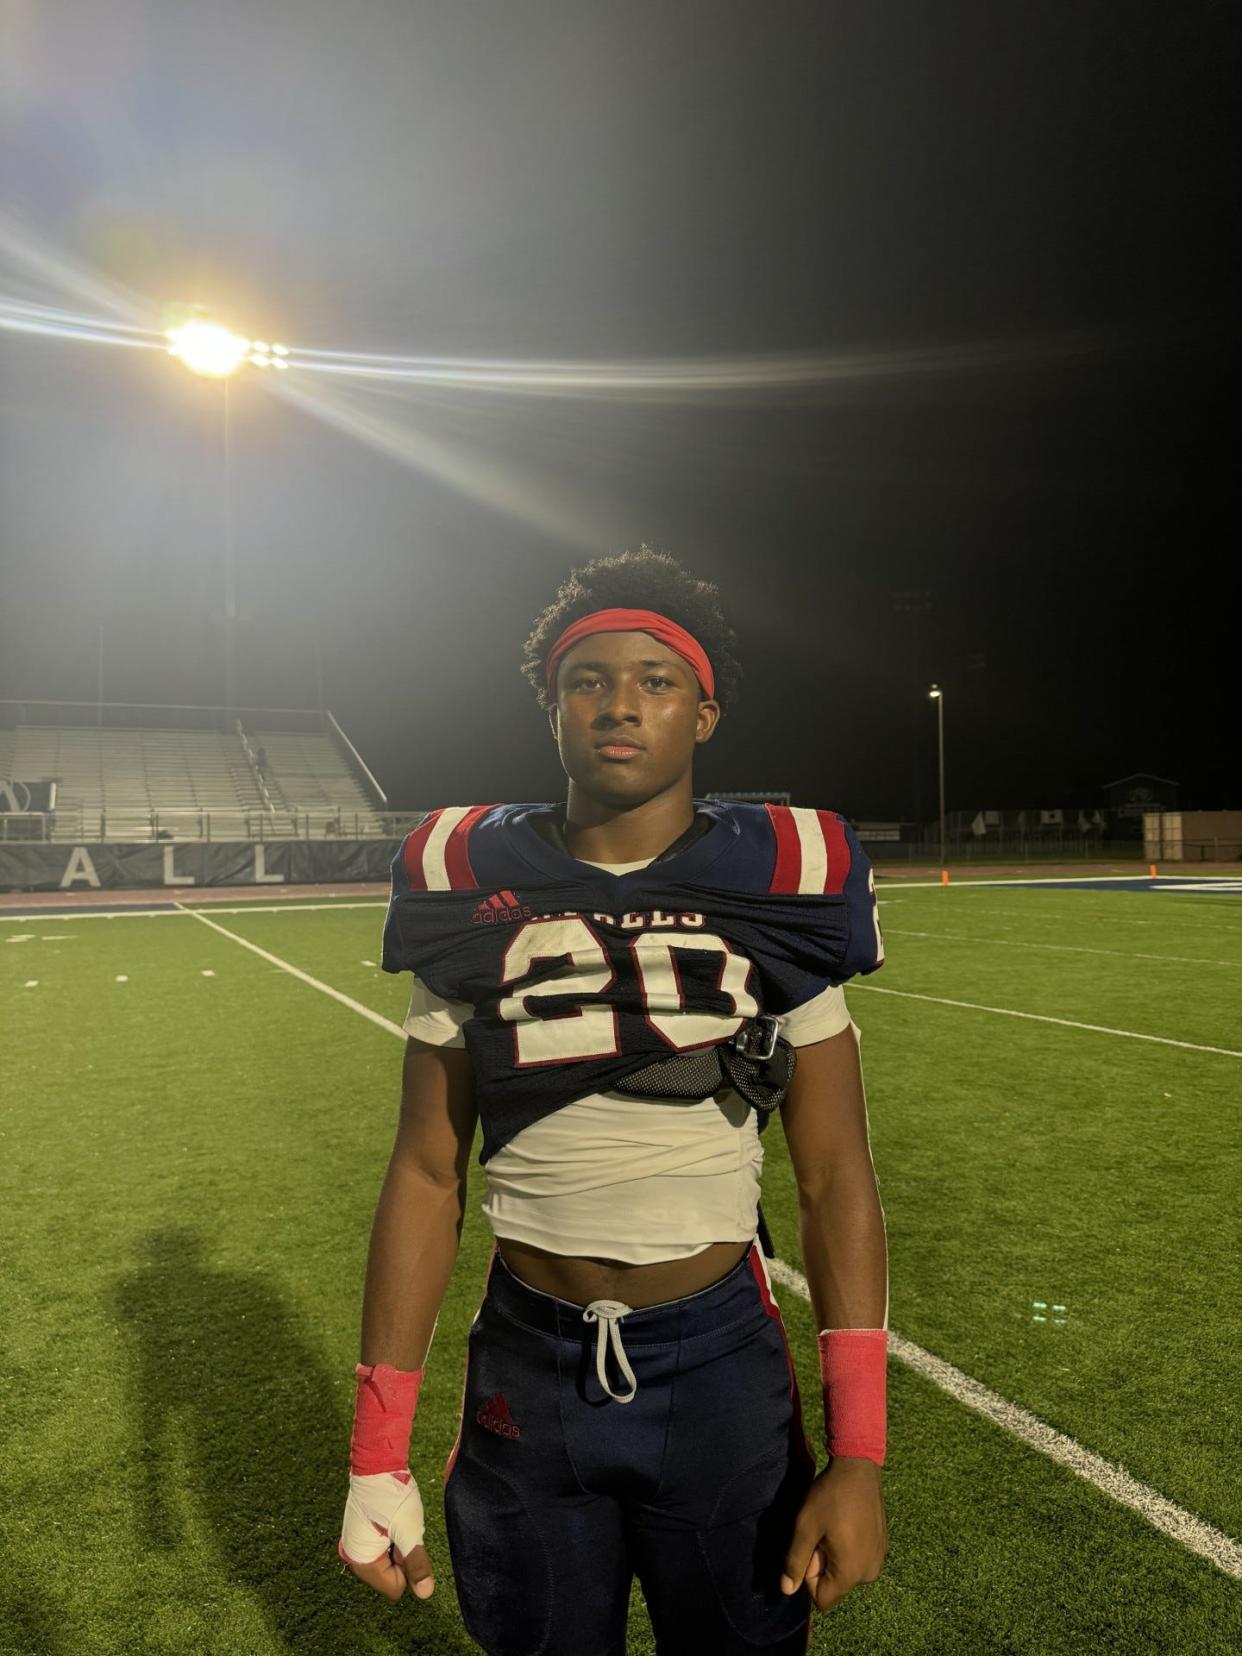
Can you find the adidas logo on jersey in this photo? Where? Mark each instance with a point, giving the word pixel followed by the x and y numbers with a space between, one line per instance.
pixel 495 910
pixel 493 1415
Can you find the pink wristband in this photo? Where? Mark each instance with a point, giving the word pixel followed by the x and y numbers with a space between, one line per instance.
pixel 383 1415
pixel 853 1368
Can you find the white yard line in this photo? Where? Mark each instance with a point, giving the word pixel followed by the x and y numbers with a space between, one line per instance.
pixel 1063 948
pixel 1202 1538
pixel 1185 919
pixel 302 977
pixel 1043 1017
pixel 1192 1532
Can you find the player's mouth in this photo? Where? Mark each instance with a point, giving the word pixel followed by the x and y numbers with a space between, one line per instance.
pixel 621 750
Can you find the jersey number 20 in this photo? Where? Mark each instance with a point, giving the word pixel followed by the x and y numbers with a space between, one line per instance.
pixel 592 1030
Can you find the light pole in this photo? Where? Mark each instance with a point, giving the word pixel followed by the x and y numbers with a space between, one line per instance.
pixel 208 349
pixel 937 695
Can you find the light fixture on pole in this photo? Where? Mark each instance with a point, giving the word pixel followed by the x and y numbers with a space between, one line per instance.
pixel 210 349
pixel 937 695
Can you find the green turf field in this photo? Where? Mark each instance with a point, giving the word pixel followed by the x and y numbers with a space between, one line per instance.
pixel 193 1140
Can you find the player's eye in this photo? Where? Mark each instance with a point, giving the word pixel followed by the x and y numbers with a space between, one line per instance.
pixel 657 678
pixel 586 682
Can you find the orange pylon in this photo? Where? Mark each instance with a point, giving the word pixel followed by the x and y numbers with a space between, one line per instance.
pixel 1151 869
pixel 944 876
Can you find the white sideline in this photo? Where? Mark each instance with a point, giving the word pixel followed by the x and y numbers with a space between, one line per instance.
pixel 1200 1537
pixel 180 908
pixel 965 881
pixel 1192 1532
pixel 1044 1017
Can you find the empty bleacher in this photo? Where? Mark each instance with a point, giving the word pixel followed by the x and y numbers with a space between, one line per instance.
pixel 161 781
pixel 312 776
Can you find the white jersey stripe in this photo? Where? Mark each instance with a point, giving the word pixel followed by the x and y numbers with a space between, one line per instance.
pixel 435 869
pixel 814 875
pixel 875 918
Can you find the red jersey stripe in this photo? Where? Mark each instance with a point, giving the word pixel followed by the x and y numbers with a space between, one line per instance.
pixel 787 870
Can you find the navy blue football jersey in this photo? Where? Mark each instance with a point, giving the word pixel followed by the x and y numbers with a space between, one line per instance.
pixel 579 978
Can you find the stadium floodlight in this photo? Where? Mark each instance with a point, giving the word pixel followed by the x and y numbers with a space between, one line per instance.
pixel 936 694
pixel 207 348
pixel 210 349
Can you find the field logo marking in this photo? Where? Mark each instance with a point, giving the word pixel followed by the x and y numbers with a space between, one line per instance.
pixel 1200 1537
pixel 1192 1532
pixel 1044 1017
pixel 1205 885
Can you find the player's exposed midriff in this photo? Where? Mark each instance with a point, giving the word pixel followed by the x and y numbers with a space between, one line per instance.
pixel 582 1280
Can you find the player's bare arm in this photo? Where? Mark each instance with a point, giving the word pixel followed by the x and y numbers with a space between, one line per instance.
pixel 414 1242
pixel 841 1537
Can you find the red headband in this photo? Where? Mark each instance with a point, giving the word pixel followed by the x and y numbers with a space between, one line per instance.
pixel 668 632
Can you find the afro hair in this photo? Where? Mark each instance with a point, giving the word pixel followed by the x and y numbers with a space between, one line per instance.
pixel 644 579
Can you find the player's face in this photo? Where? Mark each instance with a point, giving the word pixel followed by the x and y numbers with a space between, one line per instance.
pixel 628 717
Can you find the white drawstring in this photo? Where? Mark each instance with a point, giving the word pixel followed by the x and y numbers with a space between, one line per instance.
pixel 607 1313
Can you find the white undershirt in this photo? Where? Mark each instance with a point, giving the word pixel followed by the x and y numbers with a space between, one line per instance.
pixel 635 1179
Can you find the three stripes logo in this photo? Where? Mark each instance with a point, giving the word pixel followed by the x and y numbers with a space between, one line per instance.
pixel 503 906
pixel 493 1415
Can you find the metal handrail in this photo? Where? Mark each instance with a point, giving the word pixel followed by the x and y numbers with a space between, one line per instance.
pixel 358 759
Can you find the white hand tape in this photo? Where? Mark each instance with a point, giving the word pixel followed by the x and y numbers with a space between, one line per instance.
pixel 383 1510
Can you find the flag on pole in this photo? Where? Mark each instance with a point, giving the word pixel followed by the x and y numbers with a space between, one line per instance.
pixel 978 826
pixel 1097 819
pixel 1084 822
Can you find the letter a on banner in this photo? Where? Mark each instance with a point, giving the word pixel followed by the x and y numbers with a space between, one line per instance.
pixel 261 875
pixel 79 867
pixel 171 877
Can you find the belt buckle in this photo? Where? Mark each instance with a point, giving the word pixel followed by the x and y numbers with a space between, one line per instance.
pixel 766 1028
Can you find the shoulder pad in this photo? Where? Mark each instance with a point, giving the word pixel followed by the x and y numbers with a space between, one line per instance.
pixel 813 850
pixel 435 856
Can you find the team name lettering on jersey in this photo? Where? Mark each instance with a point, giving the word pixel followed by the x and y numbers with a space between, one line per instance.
pixel 640 922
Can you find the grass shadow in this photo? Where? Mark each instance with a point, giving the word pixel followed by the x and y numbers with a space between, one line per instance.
pixel 234 1416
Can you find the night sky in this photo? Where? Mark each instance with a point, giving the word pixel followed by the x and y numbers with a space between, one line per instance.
pixel 1007 220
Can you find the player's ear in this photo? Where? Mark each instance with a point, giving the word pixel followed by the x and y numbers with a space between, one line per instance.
pixel 708 719
pixel 554 722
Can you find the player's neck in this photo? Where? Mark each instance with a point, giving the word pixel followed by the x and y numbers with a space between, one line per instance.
pixel 595 832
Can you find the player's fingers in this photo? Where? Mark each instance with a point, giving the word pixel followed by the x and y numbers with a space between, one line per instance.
pixel 816 1567
pixel 380 1573
pixel 798 1557
pixel 418 1572
pixel 828 1590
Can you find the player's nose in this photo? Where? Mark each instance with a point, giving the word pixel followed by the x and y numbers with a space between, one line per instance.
pixel 619 707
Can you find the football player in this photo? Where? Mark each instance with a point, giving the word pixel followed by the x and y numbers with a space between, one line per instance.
pixel 622 991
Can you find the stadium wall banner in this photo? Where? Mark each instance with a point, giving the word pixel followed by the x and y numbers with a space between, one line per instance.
pixel 177 867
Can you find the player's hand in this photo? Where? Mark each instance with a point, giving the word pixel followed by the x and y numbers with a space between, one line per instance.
pixel 385 1511
pixel 841 1535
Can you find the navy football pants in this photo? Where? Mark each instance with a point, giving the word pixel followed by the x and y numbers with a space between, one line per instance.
pixel 556 1494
